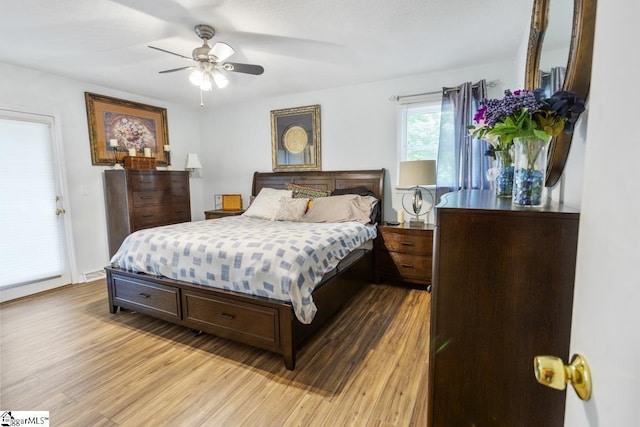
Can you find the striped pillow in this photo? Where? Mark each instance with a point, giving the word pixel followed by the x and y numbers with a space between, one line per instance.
pixel 302 192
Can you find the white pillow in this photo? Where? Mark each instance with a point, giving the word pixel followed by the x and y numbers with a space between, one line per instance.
pixel 267 203
pixel 291 209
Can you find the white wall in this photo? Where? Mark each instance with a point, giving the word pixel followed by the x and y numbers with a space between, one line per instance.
pixel 358 128
pixel 568 189
pixel 32 90
pixel 358 131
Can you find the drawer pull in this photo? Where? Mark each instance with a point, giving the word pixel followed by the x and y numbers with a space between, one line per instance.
pixel 142 181
pixel 407 243
pixel 147 215
pixel 146 197
pixel 227 316
pixel 407 265
pixel 179 211
pixel 142 294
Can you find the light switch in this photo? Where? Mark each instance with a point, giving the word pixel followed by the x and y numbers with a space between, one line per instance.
pixel 84 190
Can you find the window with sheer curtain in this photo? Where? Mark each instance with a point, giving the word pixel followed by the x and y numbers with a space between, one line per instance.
pixel 420 128
pixel 434 127
pixel 30 231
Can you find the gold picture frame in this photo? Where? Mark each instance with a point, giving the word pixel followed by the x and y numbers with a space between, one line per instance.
pixel 295 139
pixel 135 126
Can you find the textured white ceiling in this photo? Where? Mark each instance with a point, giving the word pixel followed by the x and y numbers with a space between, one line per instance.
pixel 302 44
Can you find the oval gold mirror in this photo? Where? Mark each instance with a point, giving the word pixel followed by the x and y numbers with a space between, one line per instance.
pixel 578 70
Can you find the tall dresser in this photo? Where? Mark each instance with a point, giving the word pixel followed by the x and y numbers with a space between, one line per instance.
pixel 502 294
pixel 138 199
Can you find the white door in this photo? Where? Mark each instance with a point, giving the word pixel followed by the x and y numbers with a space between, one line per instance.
pixel 33 250
pixel 606 316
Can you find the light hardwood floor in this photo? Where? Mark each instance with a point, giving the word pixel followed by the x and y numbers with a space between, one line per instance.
pixel 63 352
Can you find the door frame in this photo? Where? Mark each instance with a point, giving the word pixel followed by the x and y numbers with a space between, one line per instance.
pixel 69 268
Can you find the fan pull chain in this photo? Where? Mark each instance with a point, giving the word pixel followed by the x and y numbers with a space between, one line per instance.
pixel 201 100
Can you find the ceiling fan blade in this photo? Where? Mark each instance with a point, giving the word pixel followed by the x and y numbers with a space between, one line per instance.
pixel 171 53
pixel 177 69
pixel 243 68
pixel 220 51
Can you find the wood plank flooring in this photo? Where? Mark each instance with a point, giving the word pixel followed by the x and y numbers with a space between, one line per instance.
pixel 63 352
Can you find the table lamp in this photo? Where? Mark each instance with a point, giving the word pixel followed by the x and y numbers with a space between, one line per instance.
pixel 193 163
pixel 414 174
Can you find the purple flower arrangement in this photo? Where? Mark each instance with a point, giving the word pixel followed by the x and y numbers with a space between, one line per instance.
pixel 531 118
pixel 525 113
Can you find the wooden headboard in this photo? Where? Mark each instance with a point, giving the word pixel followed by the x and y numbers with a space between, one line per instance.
pixel 330 180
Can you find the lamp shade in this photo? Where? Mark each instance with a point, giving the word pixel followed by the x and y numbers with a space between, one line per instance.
pixel 193 162
pixel 417 172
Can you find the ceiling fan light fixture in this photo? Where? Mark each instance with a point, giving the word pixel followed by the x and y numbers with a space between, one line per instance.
pixel 206 84
pixel 196 77
pixel 220 79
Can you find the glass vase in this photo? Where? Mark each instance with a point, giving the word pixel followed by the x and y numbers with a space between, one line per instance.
pixel 530 170
pixel 504 176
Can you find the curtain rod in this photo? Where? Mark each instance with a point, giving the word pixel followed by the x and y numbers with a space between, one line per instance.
pixel 492 83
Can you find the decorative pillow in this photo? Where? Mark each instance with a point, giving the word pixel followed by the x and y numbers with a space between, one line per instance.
pixel 343 208
pixel 362 191
pixel 267 203
pixel 301 191
pixel 291 209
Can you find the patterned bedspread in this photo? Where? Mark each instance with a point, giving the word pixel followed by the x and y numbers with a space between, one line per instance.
pixel 276 259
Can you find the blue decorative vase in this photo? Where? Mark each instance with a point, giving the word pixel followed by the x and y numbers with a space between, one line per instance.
pixel 504 176
pixel 530 170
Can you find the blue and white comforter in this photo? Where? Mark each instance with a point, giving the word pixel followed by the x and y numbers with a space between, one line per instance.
pixel 275 259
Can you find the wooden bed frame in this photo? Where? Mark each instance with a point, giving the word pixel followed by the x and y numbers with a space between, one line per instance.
pixel 260 322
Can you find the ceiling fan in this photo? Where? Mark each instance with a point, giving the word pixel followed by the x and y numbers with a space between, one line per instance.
pixel 209 63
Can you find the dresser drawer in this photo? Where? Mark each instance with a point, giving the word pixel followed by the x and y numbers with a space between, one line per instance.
pixel 397 240
pixel 407 267
pixel 227 317
pixel 143 182
pixel 160 197
pixel 157 300
pixel 162 214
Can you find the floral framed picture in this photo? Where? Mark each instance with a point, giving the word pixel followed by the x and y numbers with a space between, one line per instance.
pixel 118 128
pixel 295 139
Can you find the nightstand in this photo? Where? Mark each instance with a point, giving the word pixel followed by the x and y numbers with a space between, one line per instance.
pixel 219 213
pixel 405 254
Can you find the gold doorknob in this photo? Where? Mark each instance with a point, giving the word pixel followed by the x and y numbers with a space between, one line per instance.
pixel 552 372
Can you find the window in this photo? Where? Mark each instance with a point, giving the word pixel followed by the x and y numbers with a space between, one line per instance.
pixel 420 129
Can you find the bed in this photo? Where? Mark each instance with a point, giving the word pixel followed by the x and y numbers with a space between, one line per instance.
pixel 257 320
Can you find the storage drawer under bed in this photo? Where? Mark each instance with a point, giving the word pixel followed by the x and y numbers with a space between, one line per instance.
pixel 154 299
pixel 227 317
